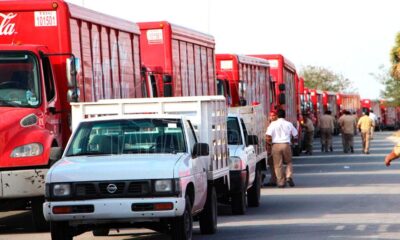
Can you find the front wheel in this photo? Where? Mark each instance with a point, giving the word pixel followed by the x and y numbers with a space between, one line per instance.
pixel 182 227
pixel 38 219
pixel 60 231
pixel 254 193
pixel 208 217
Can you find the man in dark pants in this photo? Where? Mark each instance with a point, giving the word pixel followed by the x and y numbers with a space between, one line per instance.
pixel 279 135
pixel 326 126
pixel 309 133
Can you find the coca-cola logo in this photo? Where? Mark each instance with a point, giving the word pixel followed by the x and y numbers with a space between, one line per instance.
pixel 6 26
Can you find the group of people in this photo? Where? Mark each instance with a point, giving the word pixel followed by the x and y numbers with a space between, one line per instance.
pixel 280 134
pixel 348 125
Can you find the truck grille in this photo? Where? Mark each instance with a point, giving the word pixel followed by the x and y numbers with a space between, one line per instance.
pixel 112 189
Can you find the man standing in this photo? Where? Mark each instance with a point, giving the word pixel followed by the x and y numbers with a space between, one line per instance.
pixel 272 180
pixel 309 133
pixel 347 125
pixel 374 118
pixel 326 126
pixel 279 134
pixel 365 124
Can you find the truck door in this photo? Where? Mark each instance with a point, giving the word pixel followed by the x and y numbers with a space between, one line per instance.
pixel 53 116
pixel 199 171
pixel 249 150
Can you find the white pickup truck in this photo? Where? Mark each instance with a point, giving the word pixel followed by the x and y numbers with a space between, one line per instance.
pixel 247 155
pixel 140 163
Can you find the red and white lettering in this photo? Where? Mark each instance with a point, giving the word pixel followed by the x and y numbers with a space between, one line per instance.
pixel 6 26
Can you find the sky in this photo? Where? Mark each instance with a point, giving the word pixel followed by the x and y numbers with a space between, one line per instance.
pixel 348 37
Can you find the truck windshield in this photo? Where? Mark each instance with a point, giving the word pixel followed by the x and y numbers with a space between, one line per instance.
pixel 19 80
pixel 137 136
pixel 234 136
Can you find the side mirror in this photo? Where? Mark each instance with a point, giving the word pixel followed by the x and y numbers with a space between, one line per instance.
pixel 281 87
pixel 282 98
pixel 71 66
pixel 252 140
pixel 167 80
pixel 73 95
pixel 242 102
pixel 55 154
pixel 201 149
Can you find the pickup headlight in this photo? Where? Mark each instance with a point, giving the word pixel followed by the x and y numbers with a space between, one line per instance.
pixel 28 150
pixel 164 185
pixel 61 190
pixel 235 163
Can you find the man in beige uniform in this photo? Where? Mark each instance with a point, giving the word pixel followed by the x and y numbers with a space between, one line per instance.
pixel 326 126
pixel 347 125
pixel 279 134
pixel 309 133
pixel 272 180
pixel 365 124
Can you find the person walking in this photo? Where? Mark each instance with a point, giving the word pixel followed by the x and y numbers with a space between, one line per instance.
pixel 326 126
pixel 272 180
pixel 279 135
pixel 309 133
pixel 347 125
pixel 365 124
pixel 374 118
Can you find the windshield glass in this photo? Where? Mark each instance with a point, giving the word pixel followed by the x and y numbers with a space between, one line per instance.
pixel 234 136
pixel 138 136
pixel 19 80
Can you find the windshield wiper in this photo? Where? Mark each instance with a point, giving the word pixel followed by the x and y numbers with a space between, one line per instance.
pixel 88 154
pixel 9 103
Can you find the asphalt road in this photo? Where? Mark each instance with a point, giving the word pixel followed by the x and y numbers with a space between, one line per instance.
pixel 337 196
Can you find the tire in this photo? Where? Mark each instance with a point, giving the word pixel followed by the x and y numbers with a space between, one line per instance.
pixel 254 193
pixel 98 232
pixel 182 227
pixel 238 203
pixel 60 231
pixel 38 219
pixel 208 217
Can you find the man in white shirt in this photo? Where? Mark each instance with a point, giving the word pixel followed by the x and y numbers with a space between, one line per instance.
pixel 279 135
pixel 374 118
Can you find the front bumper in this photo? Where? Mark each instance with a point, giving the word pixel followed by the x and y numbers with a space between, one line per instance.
pixel 118 209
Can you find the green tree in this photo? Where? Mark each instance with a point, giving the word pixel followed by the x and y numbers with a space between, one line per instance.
pixel 395 58
pixel 320 78
pixel 391 90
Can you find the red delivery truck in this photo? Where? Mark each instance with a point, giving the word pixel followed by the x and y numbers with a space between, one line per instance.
pixel 246 78
pixel 179 61
pixel 283 73
pixel 53 53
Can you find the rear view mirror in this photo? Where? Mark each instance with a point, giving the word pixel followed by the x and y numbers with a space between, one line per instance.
pixel 282 98
pixel 201 149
